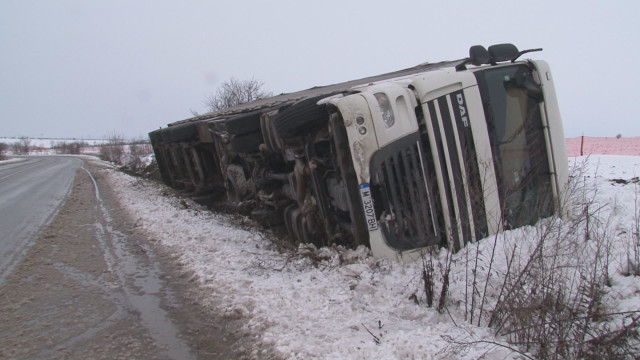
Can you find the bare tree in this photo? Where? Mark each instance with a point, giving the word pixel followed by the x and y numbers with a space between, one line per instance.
pixel 114 149
pixel 234 92
pixel 74 148
pixel 22 146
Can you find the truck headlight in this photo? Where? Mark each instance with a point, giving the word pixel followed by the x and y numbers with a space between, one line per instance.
pixel 385 107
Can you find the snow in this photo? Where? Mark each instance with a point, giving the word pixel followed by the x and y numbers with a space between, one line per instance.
pixel 49 143
pixel 344 304
pixel 12 160
pixel 52 146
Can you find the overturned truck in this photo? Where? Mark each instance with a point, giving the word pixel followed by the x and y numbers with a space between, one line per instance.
pixel 439 154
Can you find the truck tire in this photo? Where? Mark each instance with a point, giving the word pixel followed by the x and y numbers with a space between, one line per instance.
pixel 271 140
pixel 303 116
pixel 246 143
pixel 243 124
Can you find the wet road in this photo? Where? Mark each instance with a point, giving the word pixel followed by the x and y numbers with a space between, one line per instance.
pixel 31 191
pixel 91 284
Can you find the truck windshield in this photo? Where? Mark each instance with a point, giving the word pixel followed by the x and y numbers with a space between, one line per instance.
pixel 512 101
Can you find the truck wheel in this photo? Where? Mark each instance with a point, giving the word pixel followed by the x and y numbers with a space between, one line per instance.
pixel 292 221
pixel 247 143
pixel 297 226
pixel 303 116
pixel 243 124
pixel 271 140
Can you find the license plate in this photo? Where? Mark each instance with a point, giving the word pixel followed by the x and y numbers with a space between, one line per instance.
pixel 367 205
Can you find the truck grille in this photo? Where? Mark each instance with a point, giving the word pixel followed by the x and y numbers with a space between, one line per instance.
pixel 413 209
pixel 405 198
pixel 462 183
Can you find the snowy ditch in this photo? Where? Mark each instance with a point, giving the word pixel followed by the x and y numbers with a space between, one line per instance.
pixel 344 304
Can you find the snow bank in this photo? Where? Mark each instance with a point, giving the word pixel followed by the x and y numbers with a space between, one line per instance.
pixel 12 160
pixel 344 304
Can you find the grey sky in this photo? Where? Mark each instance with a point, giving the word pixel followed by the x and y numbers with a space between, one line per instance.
pixel 89 68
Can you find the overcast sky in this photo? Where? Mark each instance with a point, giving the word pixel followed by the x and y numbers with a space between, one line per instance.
pixel 90 68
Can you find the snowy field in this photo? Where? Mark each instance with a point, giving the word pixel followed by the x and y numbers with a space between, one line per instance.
pixel 46 146
pixel 49 143
pixel 332 303
pixel 57 146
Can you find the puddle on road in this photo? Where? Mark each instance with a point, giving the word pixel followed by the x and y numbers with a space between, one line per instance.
pixel 140 281
pixel 145 296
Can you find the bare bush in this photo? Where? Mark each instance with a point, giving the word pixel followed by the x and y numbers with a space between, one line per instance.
pixel 3 149
pixel 72 148
pixel 25 144
pixel 22 147
pixel 435 282
pixel 551 300
pixel 428 279
pixel 138 150
pixel 546 289
pixel 633 245
pixel 234 92
pixel 113 150
pixel 444 290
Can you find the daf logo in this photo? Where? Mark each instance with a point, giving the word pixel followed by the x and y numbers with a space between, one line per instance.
pixel 463 110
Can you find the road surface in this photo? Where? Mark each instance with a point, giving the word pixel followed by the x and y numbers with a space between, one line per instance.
pixel 89 284
pixel 31 191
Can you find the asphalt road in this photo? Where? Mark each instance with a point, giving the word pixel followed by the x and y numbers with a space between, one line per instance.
pixel 31 191
pixel 81 280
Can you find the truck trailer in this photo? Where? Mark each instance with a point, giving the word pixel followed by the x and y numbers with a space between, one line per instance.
pixel 439 154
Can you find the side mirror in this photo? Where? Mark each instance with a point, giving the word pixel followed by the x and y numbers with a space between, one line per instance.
pixel 478 55
pixel 503 52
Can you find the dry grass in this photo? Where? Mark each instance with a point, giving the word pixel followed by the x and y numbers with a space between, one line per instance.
pixel 547 296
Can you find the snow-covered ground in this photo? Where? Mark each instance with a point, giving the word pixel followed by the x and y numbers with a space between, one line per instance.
pixel 56 146
pixel 46 146
pixel 12 160
pixel 51 142
pixel 343 304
